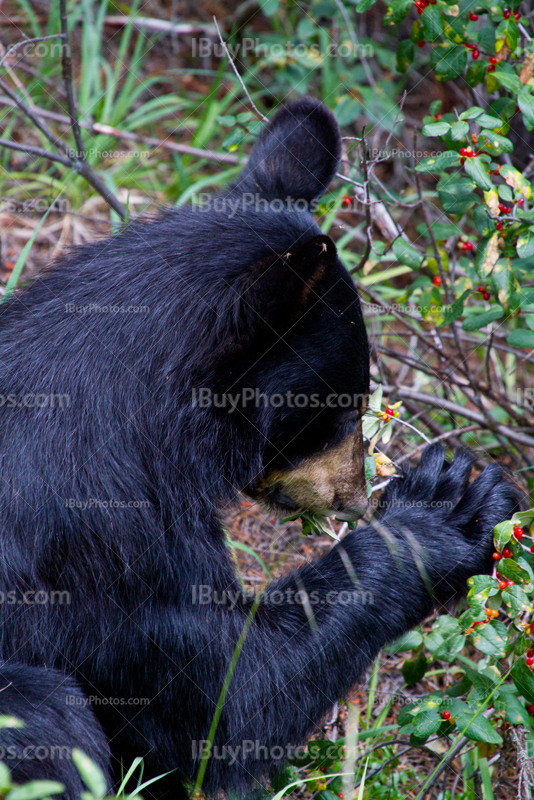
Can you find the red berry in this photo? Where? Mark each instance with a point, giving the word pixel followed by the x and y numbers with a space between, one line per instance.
pixel 346 200
pixel 518 532
pixel 491 68
pixel 499 226
pixel 468 246
pixel 498 556
pixel 493 60
pixel 507 553
pixel 481 289
pixel 521 201
pixel 437 117
pixel 501 207
pixel 507 13
pixel 507 210
pixel 421 44
pixel 341 795
pixel 517 313
pixel 446 714
pixel 389 411
pixel 486 295
pixel 475 54
pixel 502 585
pixel 472 16
pixel 517 110
pixel 509 583
pixel 530 661
pixel 436 280
pixel 530 709
pixel 463 151
pixel 530 652
pixel 517 16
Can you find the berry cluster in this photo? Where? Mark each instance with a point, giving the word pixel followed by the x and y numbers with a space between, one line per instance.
pixel 388 413
pixel 422 4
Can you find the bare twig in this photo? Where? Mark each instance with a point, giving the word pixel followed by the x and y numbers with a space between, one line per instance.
pixel 66 69
pixel 27 41
pixel 239 78
pixel 117 133
pixel 36 151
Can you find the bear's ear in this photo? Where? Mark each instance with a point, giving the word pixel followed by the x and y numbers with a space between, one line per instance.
pixel 296 155
pixel 277 290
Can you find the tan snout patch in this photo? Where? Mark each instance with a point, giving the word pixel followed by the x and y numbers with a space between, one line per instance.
pixel 331 482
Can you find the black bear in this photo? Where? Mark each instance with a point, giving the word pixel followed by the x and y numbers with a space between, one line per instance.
pixel 138 379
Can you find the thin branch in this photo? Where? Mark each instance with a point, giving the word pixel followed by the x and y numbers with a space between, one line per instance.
pixel 239 78
pixel 27 41
pixel 36 151
pixel 117 133
pixel 66 70
pixel 455 408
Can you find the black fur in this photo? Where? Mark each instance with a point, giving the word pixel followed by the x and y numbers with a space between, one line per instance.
pixel 239 297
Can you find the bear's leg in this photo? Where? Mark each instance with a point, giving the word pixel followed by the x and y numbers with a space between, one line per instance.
pixel 56 717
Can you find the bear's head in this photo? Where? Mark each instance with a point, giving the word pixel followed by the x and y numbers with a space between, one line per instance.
pixel 287 348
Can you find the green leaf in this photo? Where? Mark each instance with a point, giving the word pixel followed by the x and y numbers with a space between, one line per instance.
pixel 414 669
pixel 491 639
pixel 446 640
pixel 476 73
pixel 478 728
pixel 405 55
pixel 525 244
pixel 524 680
pixel 478 171
pixel 482 587
pixel 525 101
pixel 269 7
pixel 396 11
pixel 432 23
pixel 476 321
pixel 406 254
pixel 509 81
pixel 472 113
pixel 505 699
pixel 508 30
pixel 516 180
pixel 436 128
pixel 521 338
pixel 456 310
pixel 347 111
pixel 496 144
pixel 428 721
pixel 487 121
pixel 487 255
pixel 409 641
pixel 91 774
pixel 448 61
pixel 502 533
pixel 364 5
pixel 510 570
pixel 324 751
pixel 35 790
pixel 516 599
pixel 459 130
pixel 439 163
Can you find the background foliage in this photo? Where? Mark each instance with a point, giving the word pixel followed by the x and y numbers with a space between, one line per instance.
pixel 432 212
